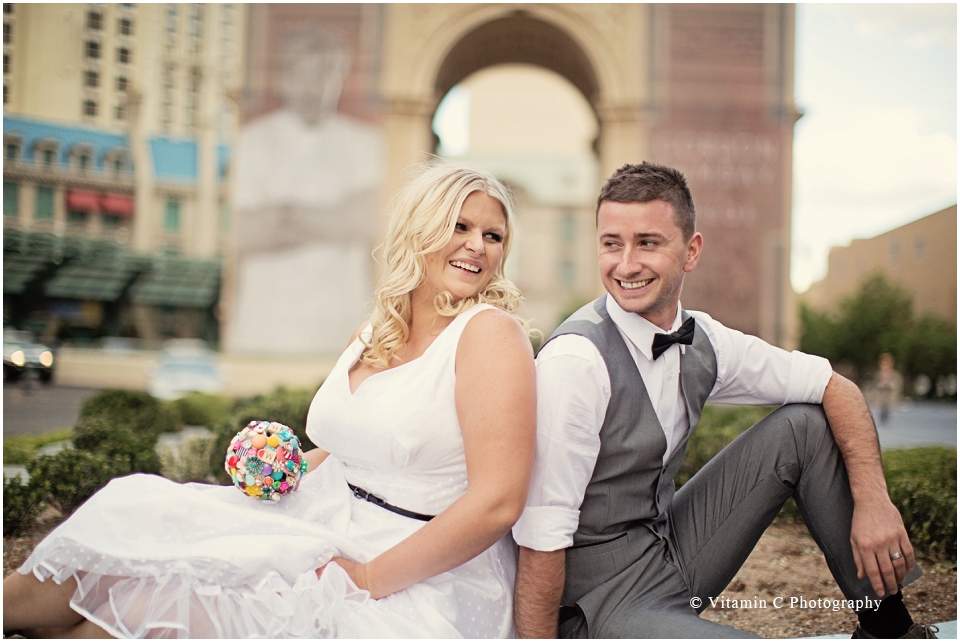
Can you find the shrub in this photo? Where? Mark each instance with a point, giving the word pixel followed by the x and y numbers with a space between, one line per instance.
pixel 191 461
pixel 130 449
pixel 923 486
pixel 21 505
pixel 18 449
pixel 70 477
pixel 139 410
pixel 198 409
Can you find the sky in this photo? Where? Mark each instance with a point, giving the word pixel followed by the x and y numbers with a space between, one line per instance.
pixel 877 145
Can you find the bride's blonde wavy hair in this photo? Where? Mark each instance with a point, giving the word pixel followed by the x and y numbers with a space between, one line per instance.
pixel 422 220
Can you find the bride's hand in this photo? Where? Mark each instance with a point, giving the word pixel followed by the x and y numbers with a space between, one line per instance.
pixel 357 572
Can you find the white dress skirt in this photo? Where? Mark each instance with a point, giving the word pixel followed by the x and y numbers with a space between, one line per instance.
pixel 153 558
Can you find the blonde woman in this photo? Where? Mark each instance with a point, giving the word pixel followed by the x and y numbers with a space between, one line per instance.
pixel 400 528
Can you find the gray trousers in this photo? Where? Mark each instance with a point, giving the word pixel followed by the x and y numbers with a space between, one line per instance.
pixel 717 518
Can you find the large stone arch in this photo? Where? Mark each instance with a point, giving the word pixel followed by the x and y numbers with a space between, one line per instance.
pixel 601 50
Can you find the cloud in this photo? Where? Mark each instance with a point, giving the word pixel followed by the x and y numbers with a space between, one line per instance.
pixel 915 26
pixel 860 173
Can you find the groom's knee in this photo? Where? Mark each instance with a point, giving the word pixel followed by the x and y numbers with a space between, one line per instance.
pixel 803 426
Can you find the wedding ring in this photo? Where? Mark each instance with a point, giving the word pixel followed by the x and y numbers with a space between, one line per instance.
pixel 896 556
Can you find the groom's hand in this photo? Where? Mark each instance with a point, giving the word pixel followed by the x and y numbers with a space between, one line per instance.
pixel 877 533
pixel 539 587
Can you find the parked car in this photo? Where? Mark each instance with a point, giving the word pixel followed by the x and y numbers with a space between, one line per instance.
pixel 22 354
pixel 185 366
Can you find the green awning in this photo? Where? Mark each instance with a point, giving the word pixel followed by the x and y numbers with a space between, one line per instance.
pixel 180 283
pixel 91 281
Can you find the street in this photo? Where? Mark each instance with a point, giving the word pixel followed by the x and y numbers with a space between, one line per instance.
pixel 33 408
pixel 918 423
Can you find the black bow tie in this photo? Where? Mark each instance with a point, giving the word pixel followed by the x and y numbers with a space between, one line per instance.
pixel 684 335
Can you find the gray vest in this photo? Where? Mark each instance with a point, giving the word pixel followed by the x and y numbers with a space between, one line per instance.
pixel 630 489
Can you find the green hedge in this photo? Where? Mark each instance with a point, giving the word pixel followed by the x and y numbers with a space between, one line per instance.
pixel 923 486
pixel 198 409
pixel 21 505
pixel 70 477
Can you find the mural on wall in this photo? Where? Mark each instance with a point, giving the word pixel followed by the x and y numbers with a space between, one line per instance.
pixel 305 197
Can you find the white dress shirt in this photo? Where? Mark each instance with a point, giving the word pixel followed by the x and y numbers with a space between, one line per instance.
pixel 573 392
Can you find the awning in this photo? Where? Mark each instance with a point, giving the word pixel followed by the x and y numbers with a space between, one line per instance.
pixel 117 204
pixel 79 200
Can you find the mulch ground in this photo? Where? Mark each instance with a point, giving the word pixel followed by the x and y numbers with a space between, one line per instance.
pixel 786 563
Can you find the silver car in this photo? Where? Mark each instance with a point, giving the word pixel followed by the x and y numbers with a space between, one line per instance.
pixel 185 366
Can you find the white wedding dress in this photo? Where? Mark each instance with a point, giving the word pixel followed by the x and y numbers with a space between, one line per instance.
pixel 154 558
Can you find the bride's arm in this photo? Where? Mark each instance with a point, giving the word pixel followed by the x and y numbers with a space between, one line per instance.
pixel 316 456
pixel 496 406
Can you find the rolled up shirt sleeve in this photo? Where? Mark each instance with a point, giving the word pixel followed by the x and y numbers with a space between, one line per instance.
pixel 573 391
pixel 753 372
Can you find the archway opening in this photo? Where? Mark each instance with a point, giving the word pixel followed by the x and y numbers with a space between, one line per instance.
pixel 535 130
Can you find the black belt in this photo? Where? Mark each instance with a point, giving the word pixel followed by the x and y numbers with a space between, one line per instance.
pixel 360 493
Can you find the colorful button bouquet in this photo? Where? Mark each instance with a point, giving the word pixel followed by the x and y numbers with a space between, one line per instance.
pixel 265 461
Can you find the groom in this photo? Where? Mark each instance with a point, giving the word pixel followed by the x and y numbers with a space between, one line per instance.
pixel 607 548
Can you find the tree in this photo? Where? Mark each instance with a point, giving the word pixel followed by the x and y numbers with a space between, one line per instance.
pixel 876 319
pixel 879 318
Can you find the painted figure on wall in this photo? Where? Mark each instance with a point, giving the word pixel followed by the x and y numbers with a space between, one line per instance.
pixel 305 200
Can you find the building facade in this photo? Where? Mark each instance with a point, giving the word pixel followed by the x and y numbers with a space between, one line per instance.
pixel 920 256
pixel 118 123
pixel 705 88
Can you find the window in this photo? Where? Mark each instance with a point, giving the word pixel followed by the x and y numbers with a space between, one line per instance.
pixel 43 207
pixel 121 83
pixel 110 221
pixel 918 247
pixel 894 252
pixel 91 78
pixel 118 165
pixel 49 156
pixel 93 50
pixel 89 108
pixel 94 20
pixel 171 217
pixel 7 7
pixel 83 162
pixel 126 26
pixel 6 63
pixel 11 151
pixel 120 112
pixel 5 95
pixel 11 199
pixel 7 30
pixel 78 219
pixel 124 55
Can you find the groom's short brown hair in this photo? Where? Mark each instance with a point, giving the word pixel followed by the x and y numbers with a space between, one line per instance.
pixel 651 182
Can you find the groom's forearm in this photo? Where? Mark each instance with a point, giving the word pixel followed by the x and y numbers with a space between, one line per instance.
pixel 539 587
pixel 856 437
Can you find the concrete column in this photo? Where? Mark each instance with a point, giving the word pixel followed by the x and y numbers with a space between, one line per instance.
pixel 407 129
pixel 26 196
pixel 59 209
pixel 203 241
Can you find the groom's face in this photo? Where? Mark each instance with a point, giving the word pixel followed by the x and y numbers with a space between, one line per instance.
pixel 643 257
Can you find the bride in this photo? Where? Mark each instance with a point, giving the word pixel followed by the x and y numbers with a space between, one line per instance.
pixel 426 430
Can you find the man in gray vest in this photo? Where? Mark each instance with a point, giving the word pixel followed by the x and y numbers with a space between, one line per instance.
pixel 606 547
